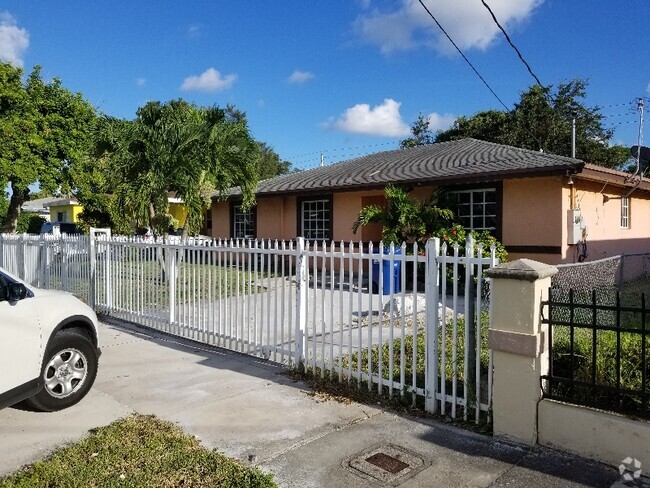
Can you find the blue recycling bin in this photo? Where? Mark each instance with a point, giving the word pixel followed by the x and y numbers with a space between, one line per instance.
pixel 387 275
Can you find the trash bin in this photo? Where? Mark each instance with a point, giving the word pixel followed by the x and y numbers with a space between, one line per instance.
pixel 386 273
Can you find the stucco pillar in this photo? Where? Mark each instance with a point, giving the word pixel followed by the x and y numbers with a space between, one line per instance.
pixel 519 343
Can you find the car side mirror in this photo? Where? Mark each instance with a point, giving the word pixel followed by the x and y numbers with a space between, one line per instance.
pixel 16 291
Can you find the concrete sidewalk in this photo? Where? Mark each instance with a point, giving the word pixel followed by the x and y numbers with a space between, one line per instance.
pixel 248 410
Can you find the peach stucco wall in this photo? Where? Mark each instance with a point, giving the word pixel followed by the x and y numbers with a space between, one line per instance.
pixel 604 234
pixel 277 217
pixel 534 212
pixel 220 220
pixel 270 218
pixel 530 212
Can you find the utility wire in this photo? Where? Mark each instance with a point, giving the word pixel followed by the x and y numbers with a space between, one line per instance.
pixel 475 70
pixel 463 55
pixel 496 21
pixel 337 149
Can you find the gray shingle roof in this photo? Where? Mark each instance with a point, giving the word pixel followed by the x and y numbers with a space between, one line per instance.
pixel 462 161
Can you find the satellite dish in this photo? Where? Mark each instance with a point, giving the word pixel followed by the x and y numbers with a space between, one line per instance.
pixel 643 155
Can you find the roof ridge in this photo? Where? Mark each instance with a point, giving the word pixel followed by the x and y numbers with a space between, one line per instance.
pixel 462 159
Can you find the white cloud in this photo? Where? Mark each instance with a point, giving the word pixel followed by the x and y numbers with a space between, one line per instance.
pixel 140 81
pixel 13 40
pixel 468 23
pixel 381 120
pixel 299 77
pixel 208 81
pixel 194 31
pixel 440 122
pixel 648 88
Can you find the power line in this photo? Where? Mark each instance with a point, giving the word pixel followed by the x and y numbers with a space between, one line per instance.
pixel 463 55
pixel 511 43
pixel 630 103
pixel 474 69
pixel 337 149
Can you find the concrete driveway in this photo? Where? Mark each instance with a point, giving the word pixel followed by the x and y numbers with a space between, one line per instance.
pixel 248 410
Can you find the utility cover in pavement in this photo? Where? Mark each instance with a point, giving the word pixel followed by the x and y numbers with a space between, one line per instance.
pixel 388 464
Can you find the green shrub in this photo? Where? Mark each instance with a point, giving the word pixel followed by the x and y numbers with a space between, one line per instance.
pixel 29 222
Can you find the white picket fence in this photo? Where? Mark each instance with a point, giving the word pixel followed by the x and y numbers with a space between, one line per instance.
pixel 395 324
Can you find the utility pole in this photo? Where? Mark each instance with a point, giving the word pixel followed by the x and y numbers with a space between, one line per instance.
pixel 322 160
pixel 640 106
pixel 573 137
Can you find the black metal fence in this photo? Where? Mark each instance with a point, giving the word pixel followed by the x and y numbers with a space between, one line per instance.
pixel 599 354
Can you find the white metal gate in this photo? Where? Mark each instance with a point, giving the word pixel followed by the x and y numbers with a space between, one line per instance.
pixel 390 319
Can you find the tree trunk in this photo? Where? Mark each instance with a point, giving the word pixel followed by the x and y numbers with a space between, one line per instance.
pixel 152 219
pixel 186 227
pixel 13 212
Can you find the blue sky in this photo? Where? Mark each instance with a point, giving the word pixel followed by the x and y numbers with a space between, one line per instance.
pixel 342 78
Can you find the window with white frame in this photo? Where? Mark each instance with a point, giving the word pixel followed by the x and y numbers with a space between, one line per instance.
pixel 315 219
pixel 243 222
pixel 625 212
pixel 475 209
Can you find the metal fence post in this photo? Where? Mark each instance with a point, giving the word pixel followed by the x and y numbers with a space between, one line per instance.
pixel 302 285
pixel 21 255
pixel 171 277
pixel 63 249
pixel 92 253
pixel 471 354
pixel 431 373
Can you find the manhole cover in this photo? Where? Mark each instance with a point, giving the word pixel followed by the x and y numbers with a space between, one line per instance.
pixel 387 463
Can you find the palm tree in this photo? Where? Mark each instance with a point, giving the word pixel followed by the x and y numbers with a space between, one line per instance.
pixel 404 218
pixel 180 148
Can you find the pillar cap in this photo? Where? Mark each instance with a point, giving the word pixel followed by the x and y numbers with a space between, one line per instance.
pixel 522 269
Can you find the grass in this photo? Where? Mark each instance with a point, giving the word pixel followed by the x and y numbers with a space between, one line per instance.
pixel 144 281
pixel 329 388
pixel 451 368
pixel 138 451
pixel 575 358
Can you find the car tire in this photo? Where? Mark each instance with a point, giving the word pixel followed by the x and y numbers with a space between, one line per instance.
pixel 68 372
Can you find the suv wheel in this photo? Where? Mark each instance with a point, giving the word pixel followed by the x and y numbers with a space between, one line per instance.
pixel 69 370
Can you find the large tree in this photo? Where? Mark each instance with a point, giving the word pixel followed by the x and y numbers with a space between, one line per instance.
pixel 542 119
pixel 269 163
pixel 45 128
pixel 180 148
pixel 421 133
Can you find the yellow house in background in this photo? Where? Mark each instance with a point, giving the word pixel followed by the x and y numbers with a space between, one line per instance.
pixel 68 210
pixel 64 210
pixel 177 209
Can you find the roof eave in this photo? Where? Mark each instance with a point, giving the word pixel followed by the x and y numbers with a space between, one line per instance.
pixel 557 170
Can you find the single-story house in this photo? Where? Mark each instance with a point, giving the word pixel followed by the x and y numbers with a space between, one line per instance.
pixel 37 206
pixel 541 206
pixel 60 209
pixel 64 210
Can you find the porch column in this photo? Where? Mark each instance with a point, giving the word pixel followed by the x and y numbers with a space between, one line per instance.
pixel 519 343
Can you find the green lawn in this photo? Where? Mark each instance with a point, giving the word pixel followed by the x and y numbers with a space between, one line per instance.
pixel 138 451
pixel 450 369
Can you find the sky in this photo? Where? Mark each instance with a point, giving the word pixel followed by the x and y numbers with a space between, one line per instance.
pixel 340 78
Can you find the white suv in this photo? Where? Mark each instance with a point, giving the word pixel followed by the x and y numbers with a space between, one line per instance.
pixel 48 346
